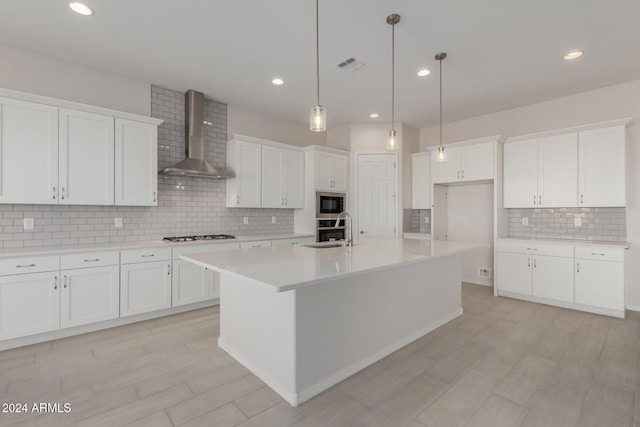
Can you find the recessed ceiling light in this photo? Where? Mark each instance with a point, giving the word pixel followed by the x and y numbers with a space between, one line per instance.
pixel 374 115
pixel 424 72
pixel 277 81
pixel 81 8
pixel 573 55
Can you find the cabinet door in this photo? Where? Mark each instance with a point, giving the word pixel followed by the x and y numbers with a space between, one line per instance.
pixel 145 287
pixel 476 162
pixel 514 273
pixel 86 171
pixel 602 167
pixel 421 182
pixel 520 174
pixel 324 176
pixel 553 278
pixel 339 172
pixel 249 174
pixel 190 283
pixel 89 295
pixel 273 193
pixel 136 164
pixel 558 171
pixel 28 152
pixel 448 171
pixel 29 304
pixel 600 284
pixel 293 179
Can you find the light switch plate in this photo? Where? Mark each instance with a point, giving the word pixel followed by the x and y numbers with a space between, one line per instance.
pixel 525 221
pixel 28 223
pixel 118 222
pixel 246 220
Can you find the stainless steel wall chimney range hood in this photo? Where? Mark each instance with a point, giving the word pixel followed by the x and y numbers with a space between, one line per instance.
pixel 195 164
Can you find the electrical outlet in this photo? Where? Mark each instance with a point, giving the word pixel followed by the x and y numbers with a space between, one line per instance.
pixel 273 220
pixel 484 272
pixel 577 221
pixel 118 222
pixel 525 221
pixel 28 223
pixel 246 220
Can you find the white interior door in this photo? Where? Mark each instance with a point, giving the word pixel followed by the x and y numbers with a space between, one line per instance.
pixel 376 195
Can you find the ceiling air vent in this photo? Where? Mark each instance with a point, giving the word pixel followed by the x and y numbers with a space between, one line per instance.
pixel 351 65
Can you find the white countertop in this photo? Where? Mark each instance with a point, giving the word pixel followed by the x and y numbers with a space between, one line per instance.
pixel 65 249
pixel 574 242
pixel 284 268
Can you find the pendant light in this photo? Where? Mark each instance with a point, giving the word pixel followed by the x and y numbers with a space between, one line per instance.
pixel 318 119
pixel 392 141
pixel 442 156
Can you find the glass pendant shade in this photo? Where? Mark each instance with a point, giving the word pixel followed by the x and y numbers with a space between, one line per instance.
pixel 392 141
pixel 442 155
pixel 318 120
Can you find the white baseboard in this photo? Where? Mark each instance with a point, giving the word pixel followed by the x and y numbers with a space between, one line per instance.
pixel 564 304
pixel 632 307
pixel 295 398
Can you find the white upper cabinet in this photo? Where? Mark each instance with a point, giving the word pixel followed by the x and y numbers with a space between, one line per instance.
pixel 421 181
pixel 60 152
pixel 28 152
pixel 136 163
pixel 86 150
pixel 469 162
pixel 331 171
pixel 601 167
pixel 244 158
pixel 282 178
pixel 541 172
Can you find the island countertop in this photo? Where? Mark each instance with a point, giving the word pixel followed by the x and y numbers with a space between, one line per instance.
pixel 286 268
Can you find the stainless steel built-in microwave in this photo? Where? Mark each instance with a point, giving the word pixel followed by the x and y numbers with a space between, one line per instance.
pixel 329 205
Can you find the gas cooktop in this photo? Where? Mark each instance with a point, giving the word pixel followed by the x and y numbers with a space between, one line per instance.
pixel 199 238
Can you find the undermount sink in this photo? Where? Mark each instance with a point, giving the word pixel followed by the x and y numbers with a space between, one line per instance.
pixel 323 245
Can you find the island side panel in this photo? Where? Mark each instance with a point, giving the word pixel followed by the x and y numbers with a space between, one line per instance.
pixel 347 325
pixel 257 329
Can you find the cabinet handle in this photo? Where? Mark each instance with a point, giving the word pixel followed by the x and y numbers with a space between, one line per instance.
pixel 154 197
pixel 169 270
pixel 534 263
pixel 534 199
pixel 528 262
pixel 531 249
pixel 237 199
pixel 582 199
pixel 462 173
pixel 54 193
pixel 578 270
pixel 540 200
pixel 595 253
pixel 55 282
pixel 25 265
pixel 92 260
pixel 65 281
pixel 146 256
pixel 62 193
pixel 294 243
pixel 286 201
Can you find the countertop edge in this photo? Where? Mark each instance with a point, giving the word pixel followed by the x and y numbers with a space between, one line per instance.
pixel 568 242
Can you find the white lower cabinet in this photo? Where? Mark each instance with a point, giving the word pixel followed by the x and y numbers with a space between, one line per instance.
pixel 514 273
pixel 29 304
pixel 145 286
pixel 89 295
pixel 600 278
pixel 553 277
pixel 191 283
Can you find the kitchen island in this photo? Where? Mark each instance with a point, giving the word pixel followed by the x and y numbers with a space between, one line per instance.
pixel 304 318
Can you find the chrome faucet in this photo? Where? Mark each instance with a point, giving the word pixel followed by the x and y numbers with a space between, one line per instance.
pixel 348 240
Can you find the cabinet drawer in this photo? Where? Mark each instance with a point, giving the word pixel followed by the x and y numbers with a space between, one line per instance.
pixel 145 255
pixel 535 248
pixel 29 265
pixel 600 253
pixel 90 259
pixel 196 249
pixel 257 244
pixel 289 242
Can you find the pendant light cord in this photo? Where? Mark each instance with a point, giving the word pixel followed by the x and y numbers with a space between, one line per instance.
pixel 393 75
pixel 441 103
pixel 318 51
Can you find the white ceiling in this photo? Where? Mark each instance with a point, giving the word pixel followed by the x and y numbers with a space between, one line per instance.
pixel 502 53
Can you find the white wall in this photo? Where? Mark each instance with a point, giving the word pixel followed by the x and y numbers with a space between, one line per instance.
pixel 259 125
pixel 608 103
pixel 470 219
pixel 43 75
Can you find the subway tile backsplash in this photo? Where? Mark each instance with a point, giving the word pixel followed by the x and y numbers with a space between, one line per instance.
pixel 605 224
pixel 185 205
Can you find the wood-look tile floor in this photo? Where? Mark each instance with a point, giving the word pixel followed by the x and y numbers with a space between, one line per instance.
pixel 503 363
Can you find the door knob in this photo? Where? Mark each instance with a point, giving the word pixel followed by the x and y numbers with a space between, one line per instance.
pixel 362 231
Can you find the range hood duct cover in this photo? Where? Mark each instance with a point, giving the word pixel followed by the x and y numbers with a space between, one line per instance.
pixel 195 165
